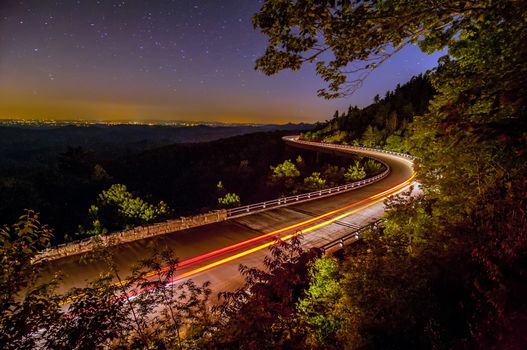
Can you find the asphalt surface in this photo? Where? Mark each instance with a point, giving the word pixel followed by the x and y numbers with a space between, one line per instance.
pixel 214 252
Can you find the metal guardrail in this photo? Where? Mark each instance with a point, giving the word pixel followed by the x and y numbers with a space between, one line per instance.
pixel 351 237
pixel 347 147
pixel 279 202
pixel 274 203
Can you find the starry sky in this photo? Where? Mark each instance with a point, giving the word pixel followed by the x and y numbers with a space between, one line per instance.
pixel 140 60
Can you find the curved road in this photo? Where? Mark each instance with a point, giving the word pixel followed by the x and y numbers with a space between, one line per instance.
pixel 214 252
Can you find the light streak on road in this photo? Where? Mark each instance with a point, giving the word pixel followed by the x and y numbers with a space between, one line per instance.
pixel 229 254
pixel 200 258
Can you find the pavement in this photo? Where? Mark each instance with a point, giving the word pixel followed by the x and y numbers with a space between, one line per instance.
pixel 214 252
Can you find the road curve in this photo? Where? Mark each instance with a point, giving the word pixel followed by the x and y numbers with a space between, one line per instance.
pixel 213 252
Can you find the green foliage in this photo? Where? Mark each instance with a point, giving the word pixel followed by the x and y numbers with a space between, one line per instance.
pixel 380 124
pixel 372 167
pixel 101 315
pixel 287 169
pixel 395 143
pixel 258 315
pixel 314 182
pixel 26 304
pixel 315 308
pixel 302 32
pixel 333 174
pixel 338 137
pixel 284 176
pixel 446 272
pixel 116 208
pixel 314 175
pixel 355 172
pixel 229 200
pixel 371 137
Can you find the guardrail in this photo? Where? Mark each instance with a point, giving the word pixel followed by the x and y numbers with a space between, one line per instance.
pixel 348 147
pixel 279 202
pixel 274 203
pixel 182 223
pixel 351 237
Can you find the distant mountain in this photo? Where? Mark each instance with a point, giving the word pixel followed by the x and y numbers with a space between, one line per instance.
pixel 28 143
pixel 60 171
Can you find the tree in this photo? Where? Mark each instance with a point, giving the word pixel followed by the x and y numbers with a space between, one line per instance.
pixel 365 34
pixel 472 160
pixel 371 137
pixel 116 209
pixel 108 313
pixel 372 167
pixel 376 123
pixel 395 143
pixel 26 304
pixel 284 175
pixel 333 174
pixel 229 200
pixel 392 121
pixel 314 182
pixel 111 311
pixel 316 309
pixel 287 169
pixel 355 172
pixel 226 199
pixel 260 314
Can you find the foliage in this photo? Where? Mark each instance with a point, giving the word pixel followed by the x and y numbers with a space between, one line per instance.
pixel 26 304
pixel 110 311
pixel 314 182
pixel 336 33
pixel 284 176
pixel 333 174
pixel 382 124
pixel 43 174
pixel 372 167
pixel 315 309
pixel 226 199
pixel 258 314
pixel 107 313
pixel 447 270
pixel 286 169
pixel 229 200
pixel 355 172
pixel 116 208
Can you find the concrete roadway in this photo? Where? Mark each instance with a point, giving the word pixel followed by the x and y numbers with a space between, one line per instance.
pixel 200 249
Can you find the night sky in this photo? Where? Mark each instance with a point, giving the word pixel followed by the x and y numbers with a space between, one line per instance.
pixel 159 60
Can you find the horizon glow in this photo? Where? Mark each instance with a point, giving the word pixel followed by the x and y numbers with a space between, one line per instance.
pixel 159 60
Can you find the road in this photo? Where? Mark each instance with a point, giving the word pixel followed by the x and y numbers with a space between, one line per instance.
pixel 214 252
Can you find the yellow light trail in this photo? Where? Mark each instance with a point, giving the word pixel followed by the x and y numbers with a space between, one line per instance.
pixel 376 199
pixel 379 197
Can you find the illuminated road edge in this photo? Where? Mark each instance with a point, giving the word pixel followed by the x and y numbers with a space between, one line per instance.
pixel 302 227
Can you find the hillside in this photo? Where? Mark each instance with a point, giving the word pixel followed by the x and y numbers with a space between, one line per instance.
pixel 385 123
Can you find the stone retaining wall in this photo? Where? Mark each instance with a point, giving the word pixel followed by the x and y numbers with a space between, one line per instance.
pixel 133 234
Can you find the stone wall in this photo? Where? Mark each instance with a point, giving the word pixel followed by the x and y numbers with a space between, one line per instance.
pixel 133 234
